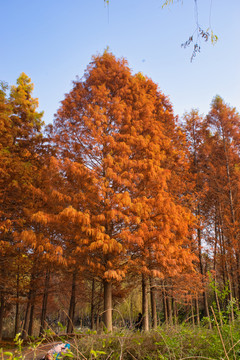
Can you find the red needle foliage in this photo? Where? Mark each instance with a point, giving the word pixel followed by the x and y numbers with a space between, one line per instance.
pixel 111 135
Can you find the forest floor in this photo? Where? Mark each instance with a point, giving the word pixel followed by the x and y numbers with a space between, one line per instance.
pixel 29 353
pixel 176 342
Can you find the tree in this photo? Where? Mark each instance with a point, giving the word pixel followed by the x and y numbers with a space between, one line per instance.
pixel 20 136
pixel 26 121
pixel 86 130
pixel 223 182
pixel 214 156
pixel 112 149
pixel 196 133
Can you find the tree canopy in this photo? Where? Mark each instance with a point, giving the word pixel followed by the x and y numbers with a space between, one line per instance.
pixel 116 194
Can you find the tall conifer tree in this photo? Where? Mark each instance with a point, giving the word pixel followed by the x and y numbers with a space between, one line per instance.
pixel 111 133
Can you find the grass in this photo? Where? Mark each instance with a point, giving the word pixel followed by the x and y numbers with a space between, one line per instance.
pixel 178 342
pixel 166 343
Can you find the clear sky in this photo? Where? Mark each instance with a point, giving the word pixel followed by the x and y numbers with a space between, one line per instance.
pixel 52 41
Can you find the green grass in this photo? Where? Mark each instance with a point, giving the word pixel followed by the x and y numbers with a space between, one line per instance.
pixel 178 342
pixel 165 343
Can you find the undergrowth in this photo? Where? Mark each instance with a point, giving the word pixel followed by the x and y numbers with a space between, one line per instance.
pixel 165 343
pixel 178 342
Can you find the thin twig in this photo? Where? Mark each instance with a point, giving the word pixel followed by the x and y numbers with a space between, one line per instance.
pixel 131 355
pixel 109 355
pixel 232 343
pixel 233 346
pixel 77 350
pixel 197 357
pixel 220 335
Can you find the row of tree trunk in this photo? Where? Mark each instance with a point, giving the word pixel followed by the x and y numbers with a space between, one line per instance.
pixel 160 294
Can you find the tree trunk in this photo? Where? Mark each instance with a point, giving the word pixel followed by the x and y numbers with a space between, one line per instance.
pixel 17 318
pixel 225 246
pixel 98 307
pixel 44 303
pixel 170 312
pixel 144 304
pixel 107 314
pixel 27 313
pixel 231 303
pixel 72 304
pixel 192 311
pixel 199 237
pixel 197 311
pixel 165 306
pixel 237 286
pixel 28 324
pixel 175 312
pixel 93 304
pixel 2 305
pixel 31 318
pixel 153 303
pixel 207 309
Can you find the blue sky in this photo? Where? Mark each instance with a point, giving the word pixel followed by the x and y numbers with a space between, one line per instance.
pixel 52 41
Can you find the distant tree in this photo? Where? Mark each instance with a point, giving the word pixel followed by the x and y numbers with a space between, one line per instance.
pixel 20 143
pixel 222 152
pixel 196 133
pixel 26 121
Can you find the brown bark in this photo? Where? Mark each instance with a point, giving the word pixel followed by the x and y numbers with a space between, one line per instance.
pixel 27 314
pixel 197 311
pixel 223 249
pixel 28 321
pixel 92 304
pixel 2 306
pixel 31 318
pixel 17 317
pixel 72 304
pixel 206 310
pixel 107 314
pixel 236 290
pixel 170 311
pixel 44 303
pixel 153 303
pixel 2 299
pixel 165 306
pixel 145 321
pixel 175 312
pixel 192 312
pixel 205 299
